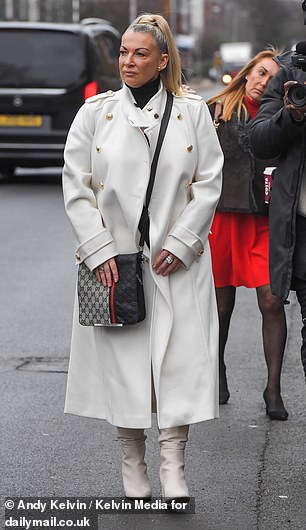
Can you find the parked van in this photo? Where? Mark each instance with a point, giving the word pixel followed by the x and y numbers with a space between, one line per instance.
pixel 46 73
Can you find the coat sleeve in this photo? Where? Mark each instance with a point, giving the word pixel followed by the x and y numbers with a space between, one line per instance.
pixel 273 130
pixel 189 234
pixel 95 242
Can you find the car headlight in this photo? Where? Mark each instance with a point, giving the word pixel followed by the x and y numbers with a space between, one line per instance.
pixel 226 78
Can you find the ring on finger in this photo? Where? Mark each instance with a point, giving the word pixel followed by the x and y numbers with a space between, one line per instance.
pixel 169 259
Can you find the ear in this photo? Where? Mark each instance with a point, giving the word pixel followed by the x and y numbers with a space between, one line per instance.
pixel 164 58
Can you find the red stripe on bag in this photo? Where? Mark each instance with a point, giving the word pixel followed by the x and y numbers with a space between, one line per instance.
pixel 112 303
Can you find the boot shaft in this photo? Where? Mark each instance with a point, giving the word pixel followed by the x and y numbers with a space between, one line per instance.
pixel 173 437
pixel 134 468
pixel 172 451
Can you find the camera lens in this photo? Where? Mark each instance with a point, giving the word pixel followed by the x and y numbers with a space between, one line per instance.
pixel 297 95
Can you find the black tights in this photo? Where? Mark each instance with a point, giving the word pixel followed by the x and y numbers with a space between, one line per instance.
pixel 300 286
pixel 274 330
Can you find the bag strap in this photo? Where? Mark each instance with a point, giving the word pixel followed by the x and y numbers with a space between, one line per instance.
pixel 144 218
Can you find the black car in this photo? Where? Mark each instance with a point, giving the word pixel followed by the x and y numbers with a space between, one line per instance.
pixel 46 73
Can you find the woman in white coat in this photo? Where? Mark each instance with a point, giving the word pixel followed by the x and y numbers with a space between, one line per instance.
pixel 168 362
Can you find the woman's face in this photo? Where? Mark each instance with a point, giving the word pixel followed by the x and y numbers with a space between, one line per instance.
pixel 140 60
pixel 259 77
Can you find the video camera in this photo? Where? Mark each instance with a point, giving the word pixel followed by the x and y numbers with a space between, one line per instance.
pixel 297 93
pixel 299 59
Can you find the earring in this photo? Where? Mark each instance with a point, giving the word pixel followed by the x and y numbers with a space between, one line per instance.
pixel 158 68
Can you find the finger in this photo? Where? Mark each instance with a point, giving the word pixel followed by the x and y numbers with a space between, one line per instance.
pixel 160 264
pixel 114 269
pixel 103 279
pixel 157 261
pixel 108 275
pixel 288 84
pixel 165 267
pixel 100 275
pixel 160 258
pixel 170 269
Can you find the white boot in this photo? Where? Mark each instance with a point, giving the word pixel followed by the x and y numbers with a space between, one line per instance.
pixel 172 446
pixel 134 469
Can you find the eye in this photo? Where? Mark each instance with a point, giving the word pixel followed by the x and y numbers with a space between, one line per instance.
pixel 122 52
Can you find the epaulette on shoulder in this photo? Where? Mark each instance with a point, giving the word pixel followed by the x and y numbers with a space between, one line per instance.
pixel 193 96
pixel 103 95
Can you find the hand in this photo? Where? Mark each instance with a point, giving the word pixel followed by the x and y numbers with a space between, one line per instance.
pixel 107 273
pixel 297 113
pixel 162 266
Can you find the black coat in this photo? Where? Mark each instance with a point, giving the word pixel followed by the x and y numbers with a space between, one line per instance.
pixel 274 134
pixel 243 180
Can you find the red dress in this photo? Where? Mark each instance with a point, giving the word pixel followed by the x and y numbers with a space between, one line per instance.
pixel 239 244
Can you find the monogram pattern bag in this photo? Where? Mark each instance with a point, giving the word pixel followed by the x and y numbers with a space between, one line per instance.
pixel 123 303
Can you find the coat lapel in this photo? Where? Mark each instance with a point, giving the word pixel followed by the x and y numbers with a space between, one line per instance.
pixel 149 117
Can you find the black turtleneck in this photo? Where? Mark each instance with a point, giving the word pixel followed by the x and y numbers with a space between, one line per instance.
pixel 144 93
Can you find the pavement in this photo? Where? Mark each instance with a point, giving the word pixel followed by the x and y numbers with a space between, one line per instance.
pixel 245 471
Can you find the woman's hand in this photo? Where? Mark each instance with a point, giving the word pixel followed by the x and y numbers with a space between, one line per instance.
pixel 107 272
pixel 297 113
pixel 166 263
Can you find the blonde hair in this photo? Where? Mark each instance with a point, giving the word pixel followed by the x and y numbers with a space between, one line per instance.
pixel 233 95
pixel 159 28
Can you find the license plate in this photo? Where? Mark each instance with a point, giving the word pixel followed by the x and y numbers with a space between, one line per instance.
pixel 14 120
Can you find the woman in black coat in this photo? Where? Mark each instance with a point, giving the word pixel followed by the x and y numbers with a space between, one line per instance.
pixel 279 130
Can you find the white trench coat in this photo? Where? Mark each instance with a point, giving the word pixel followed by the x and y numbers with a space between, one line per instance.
pixel 106 172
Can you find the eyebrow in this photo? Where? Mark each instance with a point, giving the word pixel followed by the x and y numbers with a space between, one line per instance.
pixel 263 67
pixel 136 49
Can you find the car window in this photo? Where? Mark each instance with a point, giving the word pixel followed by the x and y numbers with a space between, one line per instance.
pixel 107 47
pixel 41 59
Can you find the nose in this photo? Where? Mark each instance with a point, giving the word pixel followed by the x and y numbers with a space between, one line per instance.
pixel 128 59
pixel 264 81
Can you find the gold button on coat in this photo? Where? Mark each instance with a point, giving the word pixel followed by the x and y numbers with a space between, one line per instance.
pixel 78 257
pixel 156 116
pixel 149 108
pixel 189 148
pixel 101 185
pixel 98 148
pixel 109 116
pixel 179 116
